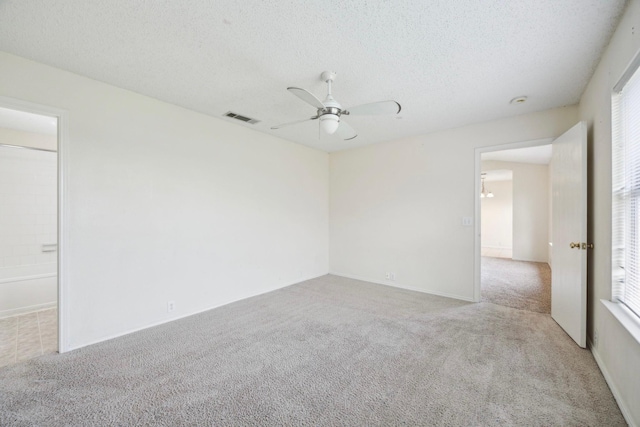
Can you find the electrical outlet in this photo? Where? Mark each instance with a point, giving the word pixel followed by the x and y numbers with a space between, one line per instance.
pixel 387 276
pixel 595 338
pixel 393 276
pixel 171 305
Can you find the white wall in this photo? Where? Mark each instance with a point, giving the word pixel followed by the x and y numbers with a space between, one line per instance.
pixel 497 215
pixel 165 204
pixel 397 206
pixel 615 349
pixel 530 209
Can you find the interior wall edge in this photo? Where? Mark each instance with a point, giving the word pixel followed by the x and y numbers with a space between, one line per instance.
pixel 398 285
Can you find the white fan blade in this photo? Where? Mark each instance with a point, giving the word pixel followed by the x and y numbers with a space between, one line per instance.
pixel 306 96
pixel 345 131
pixel 382 107
pixel 293 123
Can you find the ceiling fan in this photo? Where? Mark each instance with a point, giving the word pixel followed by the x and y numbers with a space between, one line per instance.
pixel 330 111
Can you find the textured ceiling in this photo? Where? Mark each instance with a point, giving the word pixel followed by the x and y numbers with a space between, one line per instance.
pixel 449 63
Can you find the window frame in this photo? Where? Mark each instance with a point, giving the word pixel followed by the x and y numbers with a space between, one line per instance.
pixel 625 204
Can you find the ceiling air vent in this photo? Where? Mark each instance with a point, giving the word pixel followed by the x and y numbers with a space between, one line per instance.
pixel 241 118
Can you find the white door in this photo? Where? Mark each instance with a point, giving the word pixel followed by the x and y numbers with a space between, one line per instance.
pixel 569 235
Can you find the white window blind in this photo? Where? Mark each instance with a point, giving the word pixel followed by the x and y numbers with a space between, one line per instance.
pixel 626 190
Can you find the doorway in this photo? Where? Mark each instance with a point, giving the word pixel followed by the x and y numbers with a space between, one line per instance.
pixel 514 226
pixel 29 267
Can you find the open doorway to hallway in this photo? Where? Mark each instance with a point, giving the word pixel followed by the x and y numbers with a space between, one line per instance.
pixel 515 212
pixel 496 208
pixel 29 243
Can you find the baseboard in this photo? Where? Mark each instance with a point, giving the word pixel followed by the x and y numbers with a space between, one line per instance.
pixel 401 286
pixel 614 390
pixel 162 322
pixel 28 309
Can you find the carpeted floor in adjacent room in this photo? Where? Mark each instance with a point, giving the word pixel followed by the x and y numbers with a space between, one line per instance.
pixel 518 284
pixel 329 351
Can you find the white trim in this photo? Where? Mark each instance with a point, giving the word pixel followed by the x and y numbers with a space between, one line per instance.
pixel 626 413
pixel 193 313
pixel 23 278
pixel 476 200
pixel 401 286
pixel 628 72
pixel 28 309
pixel 63 207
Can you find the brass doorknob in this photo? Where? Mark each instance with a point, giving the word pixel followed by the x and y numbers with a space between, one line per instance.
pixel 574 245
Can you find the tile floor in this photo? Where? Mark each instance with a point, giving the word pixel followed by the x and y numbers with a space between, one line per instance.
pixel 497 252
pixel 28 335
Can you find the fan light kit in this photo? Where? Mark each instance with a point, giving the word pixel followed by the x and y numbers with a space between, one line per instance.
pixel 330 112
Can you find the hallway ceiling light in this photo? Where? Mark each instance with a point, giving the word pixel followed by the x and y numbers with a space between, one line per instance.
pixel 483 192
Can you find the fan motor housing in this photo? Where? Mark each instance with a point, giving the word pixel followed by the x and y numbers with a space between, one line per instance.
pixel 329 110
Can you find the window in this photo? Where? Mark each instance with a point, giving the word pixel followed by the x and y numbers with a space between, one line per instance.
pixel 626 190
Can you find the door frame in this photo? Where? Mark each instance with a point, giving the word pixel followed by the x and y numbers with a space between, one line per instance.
pixel 63 203
pixel 476 201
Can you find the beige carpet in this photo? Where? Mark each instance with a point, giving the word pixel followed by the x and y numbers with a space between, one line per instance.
pixel 518 284
pixel 330 351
